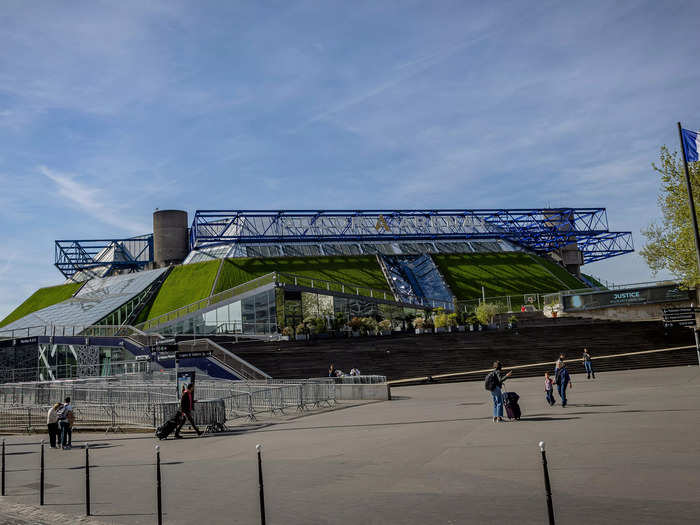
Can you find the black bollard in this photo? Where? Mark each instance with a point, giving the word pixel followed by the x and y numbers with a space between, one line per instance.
pixel 3 467
pixel 87 479
pixel 258 447
pixel 41 478
pixel 547 487
pixel 158 487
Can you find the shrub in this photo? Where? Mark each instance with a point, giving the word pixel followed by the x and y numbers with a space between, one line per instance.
pixel 453 319
pixel 301 328
pixel 441 320
pixel 370 325
pixel 419 322
pixel 485 312
pixel 385 325
pixel 287 330
pixel 355 324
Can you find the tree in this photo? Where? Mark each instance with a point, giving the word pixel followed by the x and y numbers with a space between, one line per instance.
pixel 670 242
pixel 485 312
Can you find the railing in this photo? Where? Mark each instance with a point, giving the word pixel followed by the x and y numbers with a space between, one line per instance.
pixel 72 330
pixel 70 371
pixel 207 302
pixel 242 368
pixel 115 405
pixel 509 302
pixel 361 291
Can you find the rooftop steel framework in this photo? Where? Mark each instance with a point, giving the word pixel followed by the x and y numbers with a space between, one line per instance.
pixel 540 230
pixel 103 255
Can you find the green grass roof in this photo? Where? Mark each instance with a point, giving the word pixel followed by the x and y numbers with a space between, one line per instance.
pixel 42 298
pixel 358 270
pixel 185 285
pixel 501 274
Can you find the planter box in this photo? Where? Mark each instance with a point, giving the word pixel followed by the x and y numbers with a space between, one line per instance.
pixel 356 334
pixel 385 332
pixel 419 331
pixel 461 328
pixel 301 337
pixel 441 330
pixel 428 330
pixel 471 327
pixel 284 338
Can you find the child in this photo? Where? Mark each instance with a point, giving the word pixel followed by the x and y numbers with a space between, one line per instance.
pixel 548 389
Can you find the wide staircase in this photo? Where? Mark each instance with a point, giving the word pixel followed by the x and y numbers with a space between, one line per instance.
pixel 410 356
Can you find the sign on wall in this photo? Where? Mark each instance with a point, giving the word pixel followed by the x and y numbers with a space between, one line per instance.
pixel 628 297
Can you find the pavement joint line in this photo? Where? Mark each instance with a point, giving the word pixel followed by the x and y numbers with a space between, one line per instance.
pixel 399 382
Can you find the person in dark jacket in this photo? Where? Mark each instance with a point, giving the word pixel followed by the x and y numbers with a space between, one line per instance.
pixel 186 408
pixel 494 382
pixel 562 380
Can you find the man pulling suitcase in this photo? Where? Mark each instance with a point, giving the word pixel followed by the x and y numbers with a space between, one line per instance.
pixel 186 408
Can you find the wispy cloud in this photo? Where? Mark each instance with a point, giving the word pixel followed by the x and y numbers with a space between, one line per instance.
pixel 96 202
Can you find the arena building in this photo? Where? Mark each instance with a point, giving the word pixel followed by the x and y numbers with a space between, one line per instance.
pixel 255 273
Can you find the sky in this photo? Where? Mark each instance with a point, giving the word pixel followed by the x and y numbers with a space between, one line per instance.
pixel 109 110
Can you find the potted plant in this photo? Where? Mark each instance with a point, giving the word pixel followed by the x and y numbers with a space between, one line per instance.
pixel 419 325
pixel 485 313
pixel 355 325
pixel 287 333
pixel 302 334
pixel 385 327
pixel 472 321
pixel 452 322
pixel 512 322
pixel 429 325
pixel 369 324
pixel 440 322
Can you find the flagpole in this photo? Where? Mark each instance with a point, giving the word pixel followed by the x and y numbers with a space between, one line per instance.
pixel 691 202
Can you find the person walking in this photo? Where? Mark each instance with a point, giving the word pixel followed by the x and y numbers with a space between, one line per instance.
pixel 186 408
pixel 52 424
pixel 493 383
pixel 563 380
pixel 549 389
pixel 65 420
pixel 588 365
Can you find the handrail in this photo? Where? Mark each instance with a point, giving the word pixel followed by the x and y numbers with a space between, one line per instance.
pixel 399 382
pixel 95 330
pixel 240 366
pixel 352 289
pixel 207 301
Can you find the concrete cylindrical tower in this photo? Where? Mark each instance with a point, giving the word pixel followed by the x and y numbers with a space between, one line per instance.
pixel 170 239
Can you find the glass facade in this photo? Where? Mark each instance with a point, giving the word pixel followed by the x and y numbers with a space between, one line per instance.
pixel 63 361
pixel 256 314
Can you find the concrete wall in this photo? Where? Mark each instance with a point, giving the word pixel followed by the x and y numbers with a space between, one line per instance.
pixel 378 392
pixel 642 312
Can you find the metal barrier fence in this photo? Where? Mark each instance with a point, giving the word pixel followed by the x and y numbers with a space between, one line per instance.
pixel 116 405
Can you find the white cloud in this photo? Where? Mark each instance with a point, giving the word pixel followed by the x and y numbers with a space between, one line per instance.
pixel 96 202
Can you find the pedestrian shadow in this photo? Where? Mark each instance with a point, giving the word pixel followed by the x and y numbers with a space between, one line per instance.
pixel 399 398
pixel 20 453
pixel 548 418
pixel 470 404
pixel 589 405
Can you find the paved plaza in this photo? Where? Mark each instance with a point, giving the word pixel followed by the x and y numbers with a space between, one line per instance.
pixel 626 450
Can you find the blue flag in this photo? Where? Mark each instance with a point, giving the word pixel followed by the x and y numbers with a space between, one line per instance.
pixel 690 145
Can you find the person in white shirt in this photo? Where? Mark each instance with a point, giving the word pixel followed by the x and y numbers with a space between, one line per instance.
pixel 52 423
pixel 355 372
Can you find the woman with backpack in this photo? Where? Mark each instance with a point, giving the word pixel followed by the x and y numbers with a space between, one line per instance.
pixel 494 382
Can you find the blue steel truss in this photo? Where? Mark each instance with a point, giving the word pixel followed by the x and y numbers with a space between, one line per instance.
pixel 103 255
pixel 539 230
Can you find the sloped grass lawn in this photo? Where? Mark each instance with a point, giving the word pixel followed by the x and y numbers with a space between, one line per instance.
pixel 42 298
pixel 572 283
pixel 185 285
pixel 360 270
pixel 501 274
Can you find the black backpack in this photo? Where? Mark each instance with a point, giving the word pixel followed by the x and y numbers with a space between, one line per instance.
pixel 490 384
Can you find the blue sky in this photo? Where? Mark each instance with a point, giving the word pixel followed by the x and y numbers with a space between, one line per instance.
pixel 111 109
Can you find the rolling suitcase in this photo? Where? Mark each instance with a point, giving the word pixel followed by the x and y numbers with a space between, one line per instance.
pixel 510 401
pixel 167 428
